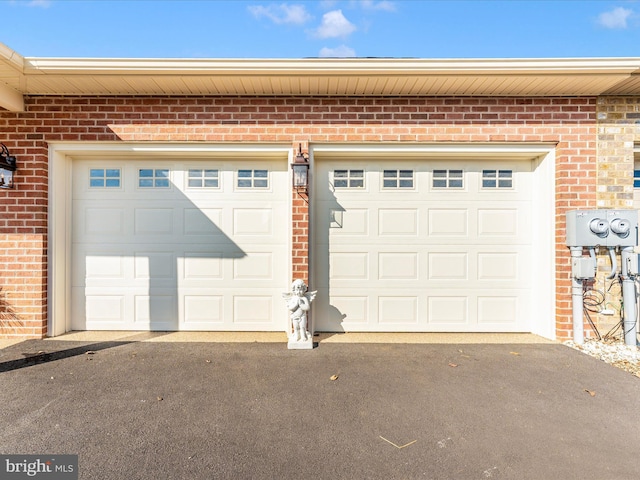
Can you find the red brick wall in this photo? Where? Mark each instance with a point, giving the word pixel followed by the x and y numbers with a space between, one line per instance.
pixel 23 234
pixel 569 122
pixel 24 284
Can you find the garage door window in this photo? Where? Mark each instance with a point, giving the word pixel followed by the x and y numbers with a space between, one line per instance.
pixel 447 179
pixel 199 178
pixel 497 179
pixel 104 178
pixel 153 178
pixel 253 179
pixel 348 178
pixel 397 179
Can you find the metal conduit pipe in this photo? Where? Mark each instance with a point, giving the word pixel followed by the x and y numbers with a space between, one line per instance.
pixel 577 301
pixel 614 263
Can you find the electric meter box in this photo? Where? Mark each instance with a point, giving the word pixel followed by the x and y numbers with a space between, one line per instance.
pixel 605 228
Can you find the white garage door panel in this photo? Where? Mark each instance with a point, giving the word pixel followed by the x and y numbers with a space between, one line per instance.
pixel 156 310
pixel 400 310
pixel 398 222
pixel 398 266
pixel 196 266
pixel 203 309
pixel 105 308
pixel 252 221
pixel 437 311
pixel 178 258
pixel 482 311
pixel 490 224
pixel 101 222
pixel 202 221
pixel 423 259
pixel 429 266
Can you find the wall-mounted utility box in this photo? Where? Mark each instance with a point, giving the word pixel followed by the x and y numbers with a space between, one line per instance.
pixel 583 268
pixel 605 228
pixel 633 262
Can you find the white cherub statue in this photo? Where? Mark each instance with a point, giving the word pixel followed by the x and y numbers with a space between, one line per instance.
pixel 299 303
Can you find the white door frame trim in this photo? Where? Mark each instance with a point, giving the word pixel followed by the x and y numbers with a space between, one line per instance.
pixel 61 156
pixel 543 158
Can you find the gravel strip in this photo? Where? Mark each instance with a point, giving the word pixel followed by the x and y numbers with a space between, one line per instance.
pixel 612 352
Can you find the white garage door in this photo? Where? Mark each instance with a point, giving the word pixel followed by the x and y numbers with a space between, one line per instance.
pixel 179 245
pixel 423 245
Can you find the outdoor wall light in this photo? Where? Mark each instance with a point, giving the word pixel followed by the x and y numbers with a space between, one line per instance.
pixel 300 167
pixel 7 167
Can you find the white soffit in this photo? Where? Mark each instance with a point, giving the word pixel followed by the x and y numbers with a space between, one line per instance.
pixel 317 76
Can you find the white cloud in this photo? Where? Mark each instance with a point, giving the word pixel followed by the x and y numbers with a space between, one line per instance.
pixel 341 51
pixel 33 3
pixel 334 24
pixel 282 14
pixel 384 5
pixel 616 18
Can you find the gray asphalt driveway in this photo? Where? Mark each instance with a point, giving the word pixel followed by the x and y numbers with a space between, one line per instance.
pixel 137 410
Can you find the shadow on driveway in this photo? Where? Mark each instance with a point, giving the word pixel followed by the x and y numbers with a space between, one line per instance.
pixel 33 355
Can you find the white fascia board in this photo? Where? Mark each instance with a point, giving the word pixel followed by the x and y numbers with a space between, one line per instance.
pixel 11 57
pixel 11 99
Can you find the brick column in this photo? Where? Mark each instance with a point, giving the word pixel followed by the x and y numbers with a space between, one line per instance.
pixel 23 245
pixel 300 228
pixel 618 131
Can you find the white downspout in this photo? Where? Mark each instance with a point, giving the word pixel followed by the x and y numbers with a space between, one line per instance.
pixel 629 299
pixel 577 301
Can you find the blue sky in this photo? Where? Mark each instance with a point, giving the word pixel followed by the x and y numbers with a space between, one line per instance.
pixel 300 29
